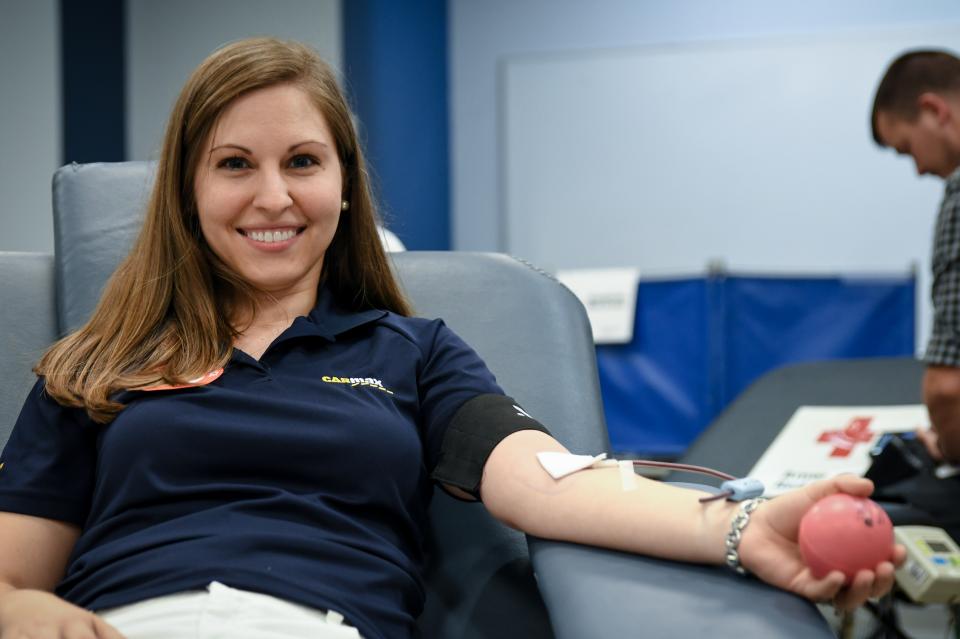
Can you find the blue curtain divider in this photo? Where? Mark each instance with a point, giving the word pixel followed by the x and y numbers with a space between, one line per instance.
pixel 698 342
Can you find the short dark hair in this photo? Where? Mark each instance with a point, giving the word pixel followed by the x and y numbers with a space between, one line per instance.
pixel 910 75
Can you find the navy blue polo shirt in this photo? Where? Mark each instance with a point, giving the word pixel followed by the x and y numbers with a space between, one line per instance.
pixel 304 475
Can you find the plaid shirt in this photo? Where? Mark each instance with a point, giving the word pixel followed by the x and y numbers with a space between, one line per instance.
pixel 944 345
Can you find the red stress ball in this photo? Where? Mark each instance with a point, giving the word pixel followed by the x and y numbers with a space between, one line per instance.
pixel 845 533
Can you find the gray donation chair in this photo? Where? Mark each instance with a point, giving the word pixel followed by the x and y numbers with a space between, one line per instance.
pixel 28 324
pixel 534 335
pixel 740 435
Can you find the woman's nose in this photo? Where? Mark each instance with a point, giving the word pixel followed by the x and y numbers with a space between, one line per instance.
pixel 273 192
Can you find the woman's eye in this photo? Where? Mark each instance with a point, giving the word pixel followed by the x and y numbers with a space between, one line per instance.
pixel 303 162
pixel 234 163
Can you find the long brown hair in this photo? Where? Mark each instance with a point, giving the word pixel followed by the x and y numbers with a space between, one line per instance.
pixel 164 316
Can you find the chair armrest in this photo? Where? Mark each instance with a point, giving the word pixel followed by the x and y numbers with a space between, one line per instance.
pixel 593 592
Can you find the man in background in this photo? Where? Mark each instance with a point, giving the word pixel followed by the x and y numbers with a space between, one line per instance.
pixel 916 112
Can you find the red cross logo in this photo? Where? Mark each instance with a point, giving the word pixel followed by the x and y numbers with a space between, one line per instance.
pixel 843 441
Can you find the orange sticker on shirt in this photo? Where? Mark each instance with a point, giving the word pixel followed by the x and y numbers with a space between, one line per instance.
pixel 203 380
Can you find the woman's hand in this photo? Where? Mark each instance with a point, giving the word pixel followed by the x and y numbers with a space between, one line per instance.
pixel 35 614
pixel 769 548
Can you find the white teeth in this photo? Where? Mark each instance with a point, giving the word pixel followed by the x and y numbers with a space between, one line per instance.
pixel 269 237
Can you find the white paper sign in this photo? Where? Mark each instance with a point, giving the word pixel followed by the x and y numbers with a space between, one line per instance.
pixel 610 297
pixel 823 441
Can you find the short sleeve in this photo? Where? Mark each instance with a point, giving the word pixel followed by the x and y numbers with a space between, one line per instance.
pixel 452 374
pixel 48 466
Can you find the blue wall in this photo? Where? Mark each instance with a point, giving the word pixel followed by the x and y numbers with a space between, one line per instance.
pixel 699 342
pixel 92 53
pixel 395 63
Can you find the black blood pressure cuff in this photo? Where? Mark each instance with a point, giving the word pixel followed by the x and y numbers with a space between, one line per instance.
pixel 475 430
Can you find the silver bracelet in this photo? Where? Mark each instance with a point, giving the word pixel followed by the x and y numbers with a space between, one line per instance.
pixel 732 557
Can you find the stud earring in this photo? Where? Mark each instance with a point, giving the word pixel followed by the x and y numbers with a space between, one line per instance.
pixel 344 205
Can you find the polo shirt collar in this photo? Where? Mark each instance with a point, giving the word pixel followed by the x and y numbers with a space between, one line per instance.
pixel 328 319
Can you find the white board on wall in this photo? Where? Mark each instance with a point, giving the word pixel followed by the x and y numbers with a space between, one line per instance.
pixel 754 152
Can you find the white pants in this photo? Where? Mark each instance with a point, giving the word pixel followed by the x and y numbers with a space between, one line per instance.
pixel 221 612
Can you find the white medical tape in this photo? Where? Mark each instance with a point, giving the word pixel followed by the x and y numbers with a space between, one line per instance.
pixel 628 478
pixel 559 465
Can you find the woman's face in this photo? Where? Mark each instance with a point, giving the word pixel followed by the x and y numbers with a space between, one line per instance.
pixel 268 189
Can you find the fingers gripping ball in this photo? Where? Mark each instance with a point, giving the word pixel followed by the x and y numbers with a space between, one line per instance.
pixel 845 533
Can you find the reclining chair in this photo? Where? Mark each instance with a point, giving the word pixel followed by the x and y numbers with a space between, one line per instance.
pixel 535 337
pixel 740 435
pixel 28 324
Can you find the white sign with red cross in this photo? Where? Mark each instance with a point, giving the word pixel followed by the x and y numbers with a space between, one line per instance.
pixel 824 441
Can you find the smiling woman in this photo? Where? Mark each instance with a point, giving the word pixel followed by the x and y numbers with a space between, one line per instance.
pixel 263 136
pixel 269 195
pixel 245 437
